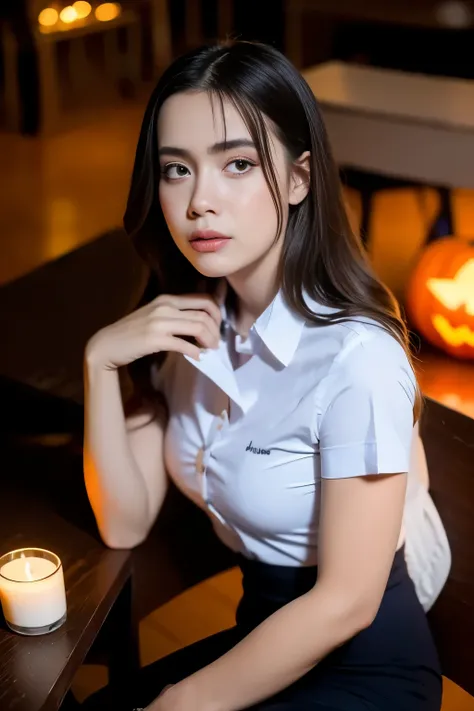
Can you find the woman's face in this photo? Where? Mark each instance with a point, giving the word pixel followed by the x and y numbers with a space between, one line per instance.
pixel 212 190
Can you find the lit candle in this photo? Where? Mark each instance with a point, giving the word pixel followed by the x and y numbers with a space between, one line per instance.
pixel 32 591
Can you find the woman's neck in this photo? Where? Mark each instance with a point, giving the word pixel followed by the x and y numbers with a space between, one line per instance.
pixel 255 291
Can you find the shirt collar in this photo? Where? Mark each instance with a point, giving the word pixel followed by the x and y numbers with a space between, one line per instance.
pixel 278 327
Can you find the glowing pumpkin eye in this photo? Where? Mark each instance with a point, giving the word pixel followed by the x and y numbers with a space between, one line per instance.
pixel 458 291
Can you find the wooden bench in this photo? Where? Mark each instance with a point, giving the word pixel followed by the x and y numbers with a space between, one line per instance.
pixel 448 438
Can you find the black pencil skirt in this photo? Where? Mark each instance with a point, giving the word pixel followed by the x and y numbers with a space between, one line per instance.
pixel 390 666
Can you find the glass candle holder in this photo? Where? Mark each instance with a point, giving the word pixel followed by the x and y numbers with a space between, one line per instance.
pixel 32 591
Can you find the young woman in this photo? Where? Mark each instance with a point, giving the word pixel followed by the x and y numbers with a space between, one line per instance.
pixel 277 392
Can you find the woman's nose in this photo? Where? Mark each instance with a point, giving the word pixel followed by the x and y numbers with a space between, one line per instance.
pixel 203 200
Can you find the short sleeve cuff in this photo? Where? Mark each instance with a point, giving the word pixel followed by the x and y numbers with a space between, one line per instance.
pixel 363 459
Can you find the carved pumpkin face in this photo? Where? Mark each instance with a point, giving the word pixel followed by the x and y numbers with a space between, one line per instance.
pixel 440 297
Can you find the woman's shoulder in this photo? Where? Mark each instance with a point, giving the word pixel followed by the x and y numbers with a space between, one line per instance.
pixel 362 335
pixel 369 348
pixel 370 341
pixel 351 332
pixel 367 357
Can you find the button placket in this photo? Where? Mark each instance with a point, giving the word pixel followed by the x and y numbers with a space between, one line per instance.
pixel 222 421
pixel 200 472
pixel 203 457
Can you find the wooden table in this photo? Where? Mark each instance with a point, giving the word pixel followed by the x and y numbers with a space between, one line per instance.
pixel 36 672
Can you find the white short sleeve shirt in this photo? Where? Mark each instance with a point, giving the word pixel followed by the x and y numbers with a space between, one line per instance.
pixel 250 445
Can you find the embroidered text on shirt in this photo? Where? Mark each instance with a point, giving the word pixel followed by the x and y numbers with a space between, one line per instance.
pixel 256 450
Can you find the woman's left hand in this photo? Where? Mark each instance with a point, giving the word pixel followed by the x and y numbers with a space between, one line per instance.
pixel 172 699
pixel 157 704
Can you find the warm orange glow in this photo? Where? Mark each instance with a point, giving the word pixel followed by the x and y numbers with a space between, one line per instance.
pixel 453 294
pixel 83 9
pixel 68 15
pixel 455 336
pixel 457 402
pixel 108 11
pixel 440 298
pixel 456 292
pixel 48 17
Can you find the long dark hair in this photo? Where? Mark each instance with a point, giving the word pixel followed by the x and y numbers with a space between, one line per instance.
pixel 321 255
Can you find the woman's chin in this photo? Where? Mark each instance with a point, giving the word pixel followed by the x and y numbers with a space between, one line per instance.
pixel 211 267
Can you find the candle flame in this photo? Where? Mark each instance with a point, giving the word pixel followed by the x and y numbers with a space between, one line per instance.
pixel 28 571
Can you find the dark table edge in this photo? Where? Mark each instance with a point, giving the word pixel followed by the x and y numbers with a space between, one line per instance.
pixel 59 690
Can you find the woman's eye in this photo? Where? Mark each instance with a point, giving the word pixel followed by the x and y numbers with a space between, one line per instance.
pixel 173 171
pixel 240 166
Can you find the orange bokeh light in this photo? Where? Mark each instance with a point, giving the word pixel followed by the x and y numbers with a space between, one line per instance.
pixel 83 9
pixel 68 15
pixel 108 11
pixel 48 17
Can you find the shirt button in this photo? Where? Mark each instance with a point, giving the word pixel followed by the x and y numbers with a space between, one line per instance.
pixel 200 462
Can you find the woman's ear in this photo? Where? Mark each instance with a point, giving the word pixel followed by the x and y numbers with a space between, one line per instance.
pixel 299 179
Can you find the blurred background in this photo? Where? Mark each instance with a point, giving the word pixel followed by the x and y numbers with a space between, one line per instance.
pixel 74 82
pixel 395 80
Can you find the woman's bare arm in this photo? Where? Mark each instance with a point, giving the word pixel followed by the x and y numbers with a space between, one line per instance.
pixel 123 461
pixel 123 457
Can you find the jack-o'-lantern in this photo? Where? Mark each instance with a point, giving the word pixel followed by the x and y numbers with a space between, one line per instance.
pixel 440 296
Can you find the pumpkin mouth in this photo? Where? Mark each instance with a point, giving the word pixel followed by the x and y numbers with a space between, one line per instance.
pixel 454 336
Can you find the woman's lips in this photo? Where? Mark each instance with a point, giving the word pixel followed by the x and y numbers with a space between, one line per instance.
pixel 208 241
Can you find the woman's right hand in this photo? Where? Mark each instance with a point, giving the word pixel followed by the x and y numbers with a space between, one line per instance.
pixel 161 325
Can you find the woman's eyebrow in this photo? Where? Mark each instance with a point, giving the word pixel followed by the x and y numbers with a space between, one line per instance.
pixel 231 145
pixel 220 147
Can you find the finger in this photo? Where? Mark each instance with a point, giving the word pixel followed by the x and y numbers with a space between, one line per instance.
pixel 200 330
pixel 178 345
pixel 196 302
pixel 168 312
pixel 199 317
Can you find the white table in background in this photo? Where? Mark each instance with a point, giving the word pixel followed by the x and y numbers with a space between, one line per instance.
pixel 410 126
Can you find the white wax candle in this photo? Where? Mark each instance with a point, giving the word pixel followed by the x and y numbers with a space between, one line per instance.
pixel 32 591
pixel 23 570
